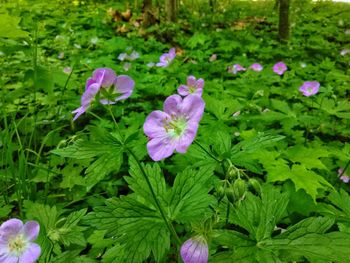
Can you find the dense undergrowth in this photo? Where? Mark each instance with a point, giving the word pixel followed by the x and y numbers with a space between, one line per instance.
pixel 266 179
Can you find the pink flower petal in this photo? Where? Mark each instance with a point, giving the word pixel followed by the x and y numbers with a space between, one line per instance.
pixel 31 230
pixel 172 104
pixel 160 148
pixel 183 90
pixel 154 124
pixel 124 84
pixel 11 227
pixel 187 138
pixel 193 107
pixel 31 254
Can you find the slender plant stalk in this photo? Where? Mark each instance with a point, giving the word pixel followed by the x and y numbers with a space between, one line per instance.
pixel 168 224
pixel 160 208
pixel 208 153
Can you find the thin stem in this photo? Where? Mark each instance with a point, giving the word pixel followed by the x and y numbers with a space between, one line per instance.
pixel 207 152
pixel 115 121
pixel 168 224
pixel 346 167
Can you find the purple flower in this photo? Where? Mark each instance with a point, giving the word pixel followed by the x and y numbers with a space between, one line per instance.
pixel 174 128
pixel 118 87
pixel 195 250
pixel 235 68
pixel 16 241
pixel 309 88
pixel 279 68
pixel 166 58
pixel 256 67
pixel 193 86
pixel 343 176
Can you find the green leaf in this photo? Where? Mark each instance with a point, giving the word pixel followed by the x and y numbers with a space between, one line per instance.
pixel 308 239
pixel 70 232
pixel 189 200
pixel 104 148
pixel 299 175
pixel 9 27
pixel 260 216
pixel 134 225
pixel 139 185
pixel 309 157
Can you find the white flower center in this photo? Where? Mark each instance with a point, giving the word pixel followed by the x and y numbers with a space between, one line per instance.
pixel 17 245
pixel 176 126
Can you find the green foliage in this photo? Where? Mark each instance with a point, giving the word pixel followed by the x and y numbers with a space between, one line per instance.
pixel 106 150
pixel 257 127
pixel 308 238
pixel 9 27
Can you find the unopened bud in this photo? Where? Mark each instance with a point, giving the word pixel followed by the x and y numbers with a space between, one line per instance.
pixel 230 194
pixel 220 190
pixel 239 188
pixel 255 184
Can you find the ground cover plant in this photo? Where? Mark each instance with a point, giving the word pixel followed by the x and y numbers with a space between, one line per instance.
pixel 126 138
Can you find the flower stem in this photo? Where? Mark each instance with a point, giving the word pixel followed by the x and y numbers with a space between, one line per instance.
pixel 115 122
pixel 168 224
pixel 207 152
pixel 346 167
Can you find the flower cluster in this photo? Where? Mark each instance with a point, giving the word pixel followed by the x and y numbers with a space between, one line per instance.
pixel 112 88
pixel 16 241
pixel 175 128
pixel 308 88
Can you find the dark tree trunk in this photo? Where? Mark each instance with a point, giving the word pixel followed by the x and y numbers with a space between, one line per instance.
pixel 283 33
pixel 148 18
pixel 170 8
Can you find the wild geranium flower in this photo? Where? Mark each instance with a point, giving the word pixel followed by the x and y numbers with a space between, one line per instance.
pixel 256 67
pixel 309 88
pixel 104 79
pixel 16 241
pixel 193 86
pixel 175 128
pixel 235 68
pixel 279 68
pixel 195 250
pixel 166 58
pixel 343 176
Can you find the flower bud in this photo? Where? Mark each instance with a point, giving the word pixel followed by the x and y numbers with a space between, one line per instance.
pixel 195 250
pixel 230 194
pixel 255 184
pixel 239 188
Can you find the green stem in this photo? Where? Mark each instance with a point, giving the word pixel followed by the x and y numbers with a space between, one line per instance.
pixel 207 152
pixel 115 121
pixel 346 167
pixel 168 224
